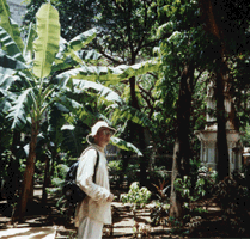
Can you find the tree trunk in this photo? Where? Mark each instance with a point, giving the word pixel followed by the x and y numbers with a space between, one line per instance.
pixel 46 180
pixel 182 152
pixel 183 119
pixel 175 205
pixel 138 128
pixel 52 168
pixel 214 26
pixel 29 169
pixel 223 162
pixel 30 198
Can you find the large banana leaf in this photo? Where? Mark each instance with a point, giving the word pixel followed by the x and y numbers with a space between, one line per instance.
pixel 21 108
pixel 110 75
pixel 66 61
pixel 47 43
pixel 124 145
pixel 79 42
pixel 9 45
pixel 10 26
pixel 67 103
pixel 103 91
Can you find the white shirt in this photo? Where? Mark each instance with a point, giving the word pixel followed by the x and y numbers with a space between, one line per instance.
pixel 95 204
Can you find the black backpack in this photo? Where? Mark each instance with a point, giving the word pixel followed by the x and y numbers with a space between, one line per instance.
pixel 71 190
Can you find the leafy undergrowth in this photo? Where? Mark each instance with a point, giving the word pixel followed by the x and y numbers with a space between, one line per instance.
pixel 221 211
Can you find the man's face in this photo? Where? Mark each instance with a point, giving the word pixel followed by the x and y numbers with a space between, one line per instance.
pixel 103 137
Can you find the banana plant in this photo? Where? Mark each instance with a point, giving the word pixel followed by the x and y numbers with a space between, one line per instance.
pixel 32 96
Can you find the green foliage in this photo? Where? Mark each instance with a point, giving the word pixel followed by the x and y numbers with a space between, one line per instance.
pixel 57 182
pixel 203 185
pixel 160 211
pixel 204 188
pixel 143 20
pixel 229 192
pixel 109 75
pixel 115 165
pixel 133 31
pixel 132 173
pixel 138 196
pixel 61 171
pixel 37 98
pixel 159 172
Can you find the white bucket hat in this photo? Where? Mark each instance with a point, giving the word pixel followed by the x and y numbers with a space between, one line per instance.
pixel 97 126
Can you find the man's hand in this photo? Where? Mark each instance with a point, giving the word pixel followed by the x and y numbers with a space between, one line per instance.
pixel 111 198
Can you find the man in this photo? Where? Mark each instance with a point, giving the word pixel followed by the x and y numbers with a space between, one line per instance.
pixel 95 210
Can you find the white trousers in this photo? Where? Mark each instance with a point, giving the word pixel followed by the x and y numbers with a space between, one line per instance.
pixel 90 229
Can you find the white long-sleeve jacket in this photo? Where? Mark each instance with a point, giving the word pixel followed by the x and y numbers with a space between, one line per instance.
pixel 95 204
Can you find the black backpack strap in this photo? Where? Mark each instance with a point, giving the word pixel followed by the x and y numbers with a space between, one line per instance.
pixel 95 168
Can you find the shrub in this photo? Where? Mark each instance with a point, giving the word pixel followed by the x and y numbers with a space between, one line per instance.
pixel 138 196
pixel 61 171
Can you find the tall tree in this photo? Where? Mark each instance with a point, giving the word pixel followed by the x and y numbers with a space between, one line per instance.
pixel 128 30
pixel 220 20
pixel 184 53
pixel 182 152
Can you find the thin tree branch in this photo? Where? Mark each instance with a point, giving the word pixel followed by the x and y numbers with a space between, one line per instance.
pixel 150 105
pixel 101 51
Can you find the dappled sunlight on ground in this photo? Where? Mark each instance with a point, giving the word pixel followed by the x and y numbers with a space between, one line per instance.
pixel 29 232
